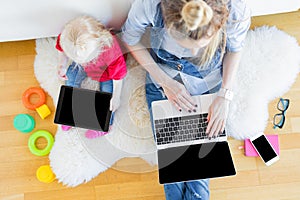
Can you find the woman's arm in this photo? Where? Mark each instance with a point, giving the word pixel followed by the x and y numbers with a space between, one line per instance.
pixel 141 54
pixel 219 109
pixel 239 21
pixel 174 91
pixel 230 65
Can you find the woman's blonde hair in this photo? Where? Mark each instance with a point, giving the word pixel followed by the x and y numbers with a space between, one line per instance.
pixel 195 19
pixel 84 34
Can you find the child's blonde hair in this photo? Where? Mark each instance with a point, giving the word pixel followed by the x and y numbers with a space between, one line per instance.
pixel 84 38
pixel 195 19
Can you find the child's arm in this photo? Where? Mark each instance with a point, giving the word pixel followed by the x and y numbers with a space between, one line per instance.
pixel 117 71
pixel 116 97
pixel 62 66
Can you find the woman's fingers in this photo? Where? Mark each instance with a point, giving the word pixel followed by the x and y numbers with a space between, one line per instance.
pixel 223 127
pixel 185 104
pixel 184 99
pixel 177 92
pixel 215 129
pixel 176 105
pixel 215 124
pixel 218 129
pixel 210 120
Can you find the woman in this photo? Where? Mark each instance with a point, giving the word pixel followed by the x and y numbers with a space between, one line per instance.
pixel 195 49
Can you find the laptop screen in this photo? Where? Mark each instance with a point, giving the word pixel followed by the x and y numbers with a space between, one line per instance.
pixel 200 161
pixel 83 108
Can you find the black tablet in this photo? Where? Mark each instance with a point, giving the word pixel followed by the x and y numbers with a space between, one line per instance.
pixel 83 108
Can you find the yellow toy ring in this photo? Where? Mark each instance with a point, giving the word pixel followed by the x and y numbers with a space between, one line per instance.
pixel 32 139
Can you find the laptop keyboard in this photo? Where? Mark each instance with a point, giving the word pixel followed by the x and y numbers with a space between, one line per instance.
pixel 182 129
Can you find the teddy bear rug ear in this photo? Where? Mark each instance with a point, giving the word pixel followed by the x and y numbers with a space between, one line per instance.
pixel 269 66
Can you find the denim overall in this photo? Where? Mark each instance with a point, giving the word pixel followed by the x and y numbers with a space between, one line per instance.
pixel 76 75
pixel 196 83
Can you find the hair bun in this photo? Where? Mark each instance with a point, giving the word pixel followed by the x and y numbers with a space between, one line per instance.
pixel 196 14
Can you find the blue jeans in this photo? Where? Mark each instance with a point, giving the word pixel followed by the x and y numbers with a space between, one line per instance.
pixel 193 190
pixel 198 189
pixel 76 75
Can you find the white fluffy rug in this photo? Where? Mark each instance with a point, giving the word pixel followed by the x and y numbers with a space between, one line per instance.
pixel 269 66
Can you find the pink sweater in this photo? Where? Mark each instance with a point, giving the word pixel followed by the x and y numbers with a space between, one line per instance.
pixel 110 64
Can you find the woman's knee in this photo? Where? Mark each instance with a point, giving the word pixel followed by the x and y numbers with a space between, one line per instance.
pixel 174 191
pixel 198 189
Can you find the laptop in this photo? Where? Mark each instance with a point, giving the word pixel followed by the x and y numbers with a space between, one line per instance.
pixel 83 108
pixel 184 151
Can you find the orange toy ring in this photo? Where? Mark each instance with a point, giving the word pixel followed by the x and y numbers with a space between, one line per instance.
pixel 28 93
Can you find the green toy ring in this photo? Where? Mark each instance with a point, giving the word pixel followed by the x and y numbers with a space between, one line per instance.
pixel 32 139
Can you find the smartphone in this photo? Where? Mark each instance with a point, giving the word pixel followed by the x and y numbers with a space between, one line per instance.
pixel 264 149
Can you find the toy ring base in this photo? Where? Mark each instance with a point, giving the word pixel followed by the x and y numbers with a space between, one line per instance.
pixel 28 93
pixel 33 138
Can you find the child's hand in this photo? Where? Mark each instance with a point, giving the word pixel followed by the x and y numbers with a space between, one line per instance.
pixel 115 103
pixel 116 97
pixel 62 73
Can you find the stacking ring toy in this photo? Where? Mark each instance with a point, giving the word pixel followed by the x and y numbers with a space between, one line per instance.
pixel 24 123
pixel 32 139
pixel 45 174
pixel 28 93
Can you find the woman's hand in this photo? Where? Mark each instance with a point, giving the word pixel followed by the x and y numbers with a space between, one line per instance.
pixel 178 95
pixel 217 115
pixel 175 91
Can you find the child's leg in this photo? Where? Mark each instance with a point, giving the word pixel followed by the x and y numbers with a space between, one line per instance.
pixel 75 75
pixel 106 86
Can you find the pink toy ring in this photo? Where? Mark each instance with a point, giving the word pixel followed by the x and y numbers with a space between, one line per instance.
pixel 28 93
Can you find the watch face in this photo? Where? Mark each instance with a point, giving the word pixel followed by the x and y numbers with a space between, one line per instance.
pixel 227 94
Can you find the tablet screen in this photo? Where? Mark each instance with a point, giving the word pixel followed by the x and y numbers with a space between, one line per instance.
pixel 83 108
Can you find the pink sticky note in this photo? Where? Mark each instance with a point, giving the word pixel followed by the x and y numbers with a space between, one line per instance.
pixel 250 150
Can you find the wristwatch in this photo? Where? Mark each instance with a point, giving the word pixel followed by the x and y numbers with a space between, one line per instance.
pixel 227 94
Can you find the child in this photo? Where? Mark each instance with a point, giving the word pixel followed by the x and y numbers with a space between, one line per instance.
pixel 95 53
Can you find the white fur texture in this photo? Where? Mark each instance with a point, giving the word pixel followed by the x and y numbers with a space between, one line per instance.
pixel 269 66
